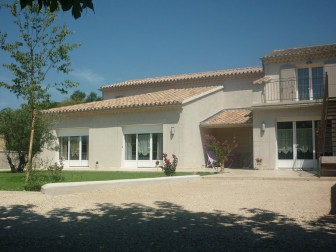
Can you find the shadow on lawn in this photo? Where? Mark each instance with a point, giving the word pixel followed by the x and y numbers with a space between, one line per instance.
pixel 167 227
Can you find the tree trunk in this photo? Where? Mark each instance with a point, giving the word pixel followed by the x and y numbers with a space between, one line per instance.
pixel 10 162
pixel 22 162
pixel 30 151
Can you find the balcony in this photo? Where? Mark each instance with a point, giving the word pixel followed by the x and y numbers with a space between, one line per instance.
pixel 295 90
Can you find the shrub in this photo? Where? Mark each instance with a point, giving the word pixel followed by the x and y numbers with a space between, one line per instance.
pixel 169 167
pixel 55 172
pixel 40 177
pixel 36 180
pixel 222 150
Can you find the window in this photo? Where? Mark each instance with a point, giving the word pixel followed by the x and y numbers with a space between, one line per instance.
pixel 310 83
pixel 285 140
pixel 130 140
pixel 85 148
pixel 303 83
pixel 144 146
pixel 304 139
pixel 63 145
pixel 157 150
pixel 295 139
pixel 74 148
pixel 317 82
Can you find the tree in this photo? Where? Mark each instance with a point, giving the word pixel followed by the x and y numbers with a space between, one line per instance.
pixel 14 127
pixel 92 97
pixel 41 47
pixel 76 6
pixel 78 96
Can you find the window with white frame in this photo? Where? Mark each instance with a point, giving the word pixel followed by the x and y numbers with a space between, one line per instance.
pixel 74 148
pixel 144 146
pixel 310 83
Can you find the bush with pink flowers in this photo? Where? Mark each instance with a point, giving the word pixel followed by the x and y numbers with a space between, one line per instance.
pixel 169 167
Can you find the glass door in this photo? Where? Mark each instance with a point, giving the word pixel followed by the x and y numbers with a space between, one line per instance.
pixel 304 144
pixel 74 151
pixel 143 150
pixel 296 148
pixel 303 84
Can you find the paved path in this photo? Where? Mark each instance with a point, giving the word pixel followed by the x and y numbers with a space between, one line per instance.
pixel 281 174
pixel 204 215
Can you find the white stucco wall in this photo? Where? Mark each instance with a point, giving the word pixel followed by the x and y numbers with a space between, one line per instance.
pixel 106 138
pixel 265 143
pixel 3 161
pixel 236 94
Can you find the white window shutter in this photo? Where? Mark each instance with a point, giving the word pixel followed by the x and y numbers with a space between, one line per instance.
pixel 331 70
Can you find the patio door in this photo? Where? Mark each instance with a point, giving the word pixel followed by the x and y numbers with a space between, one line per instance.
pixel 296 145
pixel 310 83
pixel 74 151
pixel 143 149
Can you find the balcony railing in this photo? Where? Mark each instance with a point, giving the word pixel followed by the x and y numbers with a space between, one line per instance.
pixel 294 90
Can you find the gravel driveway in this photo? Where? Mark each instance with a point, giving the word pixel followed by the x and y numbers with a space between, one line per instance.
pixel 205 215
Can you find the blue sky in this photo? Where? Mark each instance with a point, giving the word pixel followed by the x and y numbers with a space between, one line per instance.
pixel 134 39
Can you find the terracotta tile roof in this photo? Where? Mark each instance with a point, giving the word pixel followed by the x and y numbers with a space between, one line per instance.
pixel 305 52
pixel 262 80
pixel 183 77
pixel 174 96
pixel 229 117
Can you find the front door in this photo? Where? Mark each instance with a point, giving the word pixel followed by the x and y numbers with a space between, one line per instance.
pixel 296 148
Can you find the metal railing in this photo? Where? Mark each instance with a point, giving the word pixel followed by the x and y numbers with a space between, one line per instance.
pixel 294 90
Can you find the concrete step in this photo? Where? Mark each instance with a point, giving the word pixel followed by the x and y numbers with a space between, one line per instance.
pixel 328 166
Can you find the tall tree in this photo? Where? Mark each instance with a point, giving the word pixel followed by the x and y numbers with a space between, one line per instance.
pixel 76 6
pixel 41 47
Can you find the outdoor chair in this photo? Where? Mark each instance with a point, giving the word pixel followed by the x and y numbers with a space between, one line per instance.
pixel 248 162
pixel 212 161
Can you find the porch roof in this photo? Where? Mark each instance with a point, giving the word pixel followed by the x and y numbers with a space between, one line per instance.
pixel 229 118
pixel 262 80
pixel 166 98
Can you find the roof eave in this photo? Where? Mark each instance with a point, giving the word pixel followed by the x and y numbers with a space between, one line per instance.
pixel 240 125
pixel 118 110
pixel 143 82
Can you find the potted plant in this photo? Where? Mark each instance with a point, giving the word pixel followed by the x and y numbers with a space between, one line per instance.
pixel 258 160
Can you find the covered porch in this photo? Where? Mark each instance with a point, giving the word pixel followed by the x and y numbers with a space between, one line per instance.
pixel 232 124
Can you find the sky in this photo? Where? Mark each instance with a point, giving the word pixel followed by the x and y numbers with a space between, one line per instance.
pixel 135 39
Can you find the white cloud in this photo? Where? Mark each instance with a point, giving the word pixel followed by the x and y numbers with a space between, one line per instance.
pixel 89 76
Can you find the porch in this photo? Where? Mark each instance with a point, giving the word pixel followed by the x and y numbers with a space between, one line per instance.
pixel 229 125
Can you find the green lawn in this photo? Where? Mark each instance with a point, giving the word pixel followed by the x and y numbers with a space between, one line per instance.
pixel 15 181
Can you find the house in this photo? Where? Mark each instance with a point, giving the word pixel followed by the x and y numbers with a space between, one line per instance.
pixel 287 105
pixel 271 111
